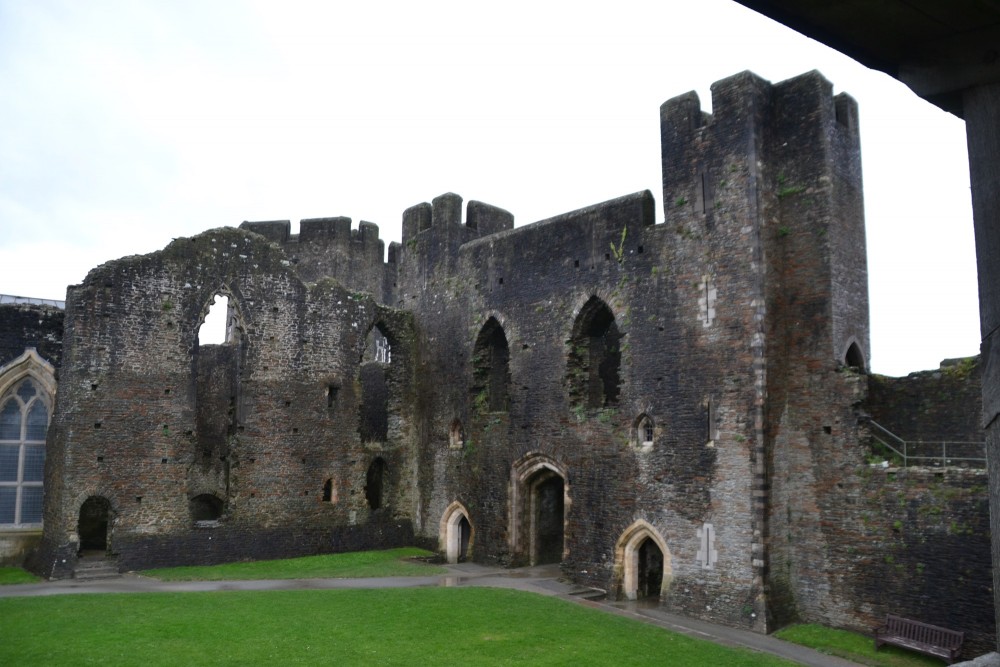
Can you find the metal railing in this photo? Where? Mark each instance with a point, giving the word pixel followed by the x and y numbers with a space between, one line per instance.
pixel 934 454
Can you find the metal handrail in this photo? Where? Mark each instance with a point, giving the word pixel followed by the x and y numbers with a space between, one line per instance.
pixel 911 452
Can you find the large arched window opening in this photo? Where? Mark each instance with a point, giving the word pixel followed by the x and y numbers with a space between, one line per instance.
pixel 594 359
pixel 491 369
pixel 24 420
pixel 373 377
pixel 220 353
pixel 220 324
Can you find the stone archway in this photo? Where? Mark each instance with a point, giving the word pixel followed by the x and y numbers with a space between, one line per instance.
pixel 94 523
pixel 642 562
pixel 539 508
pixel 456 534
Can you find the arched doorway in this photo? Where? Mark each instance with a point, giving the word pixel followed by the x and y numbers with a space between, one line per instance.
pixel 650 570
pixel 464 535
pixel 92 528
pixel 539 507
pixel 642 563
pixel 456 533
pixel 547 513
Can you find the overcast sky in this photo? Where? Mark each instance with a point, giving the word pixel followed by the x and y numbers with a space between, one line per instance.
pixel 126 124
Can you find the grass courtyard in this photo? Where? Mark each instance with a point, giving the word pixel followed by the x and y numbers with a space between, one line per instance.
pixel 441 626
pixel 419 626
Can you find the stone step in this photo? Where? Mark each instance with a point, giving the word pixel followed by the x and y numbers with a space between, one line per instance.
pixel 586 593
pixel 101 569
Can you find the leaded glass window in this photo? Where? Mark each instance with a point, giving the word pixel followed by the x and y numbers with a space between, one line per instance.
pixel 24 419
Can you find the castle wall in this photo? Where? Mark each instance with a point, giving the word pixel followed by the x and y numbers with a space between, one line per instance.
pixel 150 421
pixel 535 282
pixel 594 389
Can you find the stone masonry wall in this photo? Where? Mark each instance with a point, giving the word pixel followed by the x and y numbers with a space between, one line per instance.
pixel 943 404
pixel 27 325
pixel 134 425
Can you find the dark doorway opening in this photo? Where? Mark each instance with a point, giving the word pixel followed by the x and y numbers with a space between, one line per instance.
pixel 95 514
pixel 375 484
pixel 373 423
pixel 548 509
pixel 650 578
pixel 854 358
pixel 464 534
pixel 205 507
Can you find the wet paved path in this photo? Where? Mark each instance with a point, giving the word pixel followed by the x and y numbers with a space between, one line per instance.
pixel 545 579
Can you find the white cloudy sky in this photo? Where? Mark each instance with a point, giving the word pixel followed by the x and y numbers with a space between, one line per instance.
pixel 126 124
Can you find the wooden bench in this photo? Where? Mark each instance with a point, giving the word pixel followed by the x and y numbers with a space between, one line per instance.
pixel 924 637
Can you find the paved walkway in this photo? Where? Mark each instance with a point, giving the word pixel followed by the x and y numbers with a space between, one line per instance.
pixel 545 579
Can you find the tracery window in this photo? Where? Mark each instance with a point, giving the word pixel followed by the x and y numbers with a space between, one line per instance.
pixel 24 420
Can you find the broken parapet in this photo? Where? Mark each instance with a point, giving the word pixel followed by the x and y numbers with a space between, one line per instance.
pixel 329 247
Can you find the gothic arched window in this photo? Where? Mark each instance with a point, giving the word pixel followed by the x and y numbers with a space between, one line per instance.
pixel 24 420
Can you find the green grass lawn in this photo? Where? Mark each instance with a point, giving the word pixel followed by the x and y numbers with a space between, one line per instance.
pixel 15 575
pixel 854 647
pixel 412 626
pixel 389 563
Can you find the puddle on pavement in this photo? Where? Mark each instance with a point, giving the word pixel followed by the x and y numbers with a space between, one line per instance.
pixel 450 582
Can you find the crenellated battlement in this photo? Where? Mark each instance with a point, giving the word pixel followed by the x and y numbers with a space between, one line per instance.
pixel 748 98
pixel 445 212
pixel 434 232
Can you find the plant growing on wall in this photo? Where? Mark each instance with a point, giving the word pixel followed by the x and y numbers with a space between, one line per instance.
pixel 619 251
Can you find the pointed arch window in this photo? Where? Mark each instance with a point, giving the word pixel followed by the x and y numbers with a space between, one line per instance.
pixel 644 432
pixel 221 323
pixel 456 435
pixel 594 363
pixel 491 369
pixel 854 358
pixel 24 421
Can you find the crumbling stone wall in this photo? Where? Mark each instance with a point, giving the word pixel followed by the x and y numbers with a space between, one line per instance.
pixel 149 420
pixel 937 405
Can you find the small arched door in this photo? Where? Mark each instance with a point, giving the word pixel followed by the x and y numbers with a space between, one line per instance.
pixel 548 510
pixel 650 570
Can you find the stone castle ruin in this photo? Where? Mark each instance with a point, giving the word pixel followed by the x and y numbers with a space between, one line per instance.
pixel 678 411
